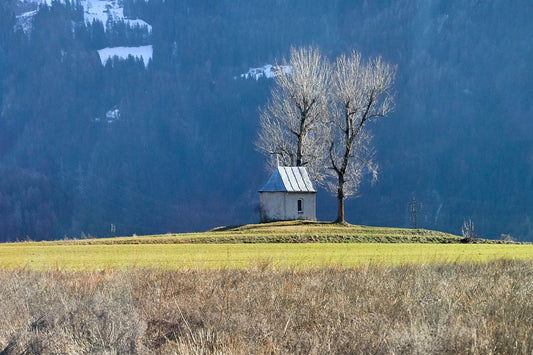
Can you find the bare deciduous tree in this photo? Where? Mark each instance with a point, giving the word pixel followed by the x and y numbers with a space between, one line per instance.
pixel 468 230
pixel 292 124
pixel 360 93
pixel 317 113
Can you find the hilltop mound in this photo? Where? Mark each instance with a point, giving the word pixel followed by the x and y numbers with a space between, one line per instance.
pixel 311 231
pixel 285 232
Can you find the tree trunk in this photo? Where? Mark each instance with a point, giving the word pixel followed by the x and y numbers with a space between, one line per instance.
pixel 340 201
pixel 299 151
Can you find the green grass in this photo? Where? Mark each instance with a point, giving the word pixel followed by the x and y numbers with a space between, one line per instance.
pixel 301 287
pixel 293 244
pixel 273 255
pixel 283 232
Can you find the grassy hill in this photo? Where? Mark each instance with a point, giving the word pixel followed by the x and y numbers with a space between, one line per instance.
pixel 293 244
pixel 284 232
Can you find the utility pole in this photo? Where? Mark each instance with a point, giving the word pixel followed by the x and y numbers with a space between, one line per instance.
pixel 412 209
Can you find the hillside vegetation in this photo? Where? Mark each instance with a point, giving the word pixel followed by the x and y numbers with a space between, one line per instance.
pixel 284 232
pixel 279 245
pixel 177 152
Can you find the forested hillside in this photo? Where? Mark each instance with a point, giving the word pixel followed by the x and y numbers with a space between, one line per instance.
pixel 165 143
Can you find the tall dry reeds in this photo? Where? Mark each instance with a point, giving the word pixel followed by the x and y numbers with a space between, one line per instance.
pixel 481 308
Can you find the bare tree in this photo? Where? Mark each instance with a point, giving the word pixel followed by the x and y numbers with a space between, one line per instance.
pixel 468 230
pixel 360 93
pixel 292 124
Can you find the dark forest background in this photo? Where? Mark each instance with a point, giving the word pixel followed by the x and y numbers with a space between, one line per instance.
pixel 181 156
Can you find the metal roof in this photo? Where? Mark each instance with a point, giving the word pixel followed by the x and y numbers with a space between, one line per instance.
pixel 289 179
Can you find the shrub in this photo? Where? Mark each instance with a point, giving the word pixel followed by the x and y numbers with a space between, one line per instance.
pixel 468 230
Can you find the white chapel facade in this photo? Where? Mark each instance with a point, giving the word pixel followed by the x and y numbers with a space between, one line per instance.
pixel 289 194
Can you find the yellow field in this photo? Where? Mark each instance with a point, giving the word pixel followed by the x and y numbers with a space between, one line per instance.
pixel 41 256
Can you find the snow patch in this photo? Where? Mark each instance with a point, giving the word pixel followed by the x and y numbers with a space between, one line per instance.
pixel 25 21
pixel 47 2
pixel 104 10
pixel 268 71
pixel 100 10
pixel 144 52
pixel 112 115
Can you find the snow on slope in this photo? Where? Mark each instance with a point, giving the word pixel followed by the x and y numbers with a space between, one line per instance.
pixel 268 71
pixel 25 21
pixel 145 53
pixel 102 10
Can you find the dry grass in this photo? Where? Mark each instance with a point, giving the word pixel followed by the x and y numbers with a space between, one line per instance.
pixel 461 308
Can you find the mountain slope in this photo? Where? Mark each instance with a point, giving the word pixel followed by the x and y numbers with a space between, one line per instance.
pixel 181 156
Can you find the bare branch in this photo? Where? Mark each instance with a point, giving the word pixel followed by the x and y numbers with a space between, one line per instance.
pixel 293 117
pixel 317 117
pixel 360 93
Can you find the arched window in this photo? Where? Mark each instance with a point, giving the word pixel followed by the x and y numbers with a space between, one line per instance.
pixel 300 206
